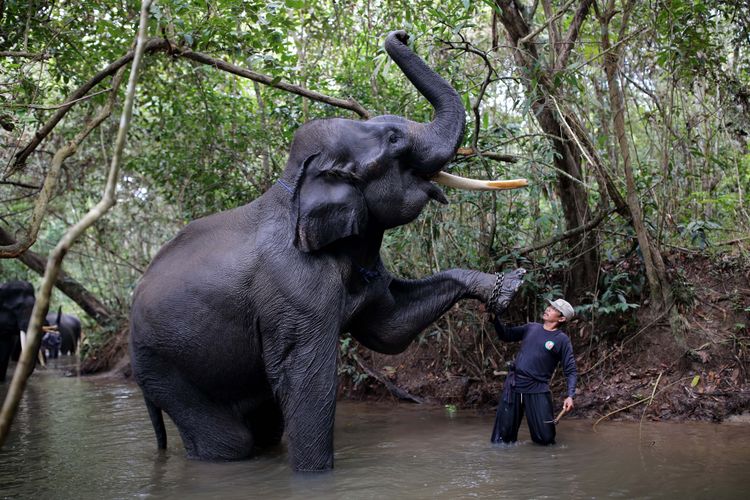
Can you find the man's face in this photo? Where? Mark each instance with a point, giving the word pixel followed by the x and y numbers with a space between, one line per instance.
pixel 552 314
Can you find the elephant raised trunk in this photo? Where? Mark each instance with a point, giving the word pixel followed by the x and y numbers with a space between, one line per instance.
pixel 436 142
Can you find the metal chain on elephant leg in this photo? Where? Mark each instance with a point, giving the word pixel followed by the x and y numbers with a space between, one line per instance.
pixel 495 294
pixel 504 290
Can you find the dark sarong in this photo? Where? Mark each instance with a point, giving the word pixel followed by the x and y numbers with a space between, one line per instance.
pixel 510 411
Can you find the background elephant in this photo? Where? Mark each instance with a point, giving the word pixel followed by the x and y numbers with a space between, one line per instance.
pixel 16 304
pixel 69 327
pixel 235 324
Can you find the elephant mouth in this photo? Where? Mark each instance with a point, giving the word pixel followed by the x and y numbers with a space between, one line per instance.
pixel 435 193
pixel 464 183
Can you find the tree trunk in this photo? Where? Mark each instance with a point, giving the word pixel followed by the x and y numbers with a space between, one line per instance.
pixel 661 295
pixel 583 247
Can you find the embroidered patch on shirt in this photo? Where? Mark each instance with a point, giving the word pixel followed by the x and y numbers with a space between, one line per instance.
pixel 549 345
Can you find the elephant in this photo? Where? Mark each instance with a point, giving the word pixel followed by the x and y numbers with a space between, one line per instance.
pixel 16 303
pixel 235 324
pixel 69 327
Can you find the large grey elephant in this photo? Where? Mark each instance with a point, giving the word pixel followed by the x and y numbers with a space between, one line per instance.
pixel 69 327
pixel 16 304
pixel 235 324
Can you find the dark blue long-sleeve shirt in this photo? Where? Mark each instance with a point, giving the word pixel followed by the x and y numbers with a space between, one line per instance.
pixel 540 352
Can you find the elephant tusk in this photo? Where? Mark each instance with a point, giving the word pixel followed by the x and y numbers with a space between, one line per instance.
pixel 455 181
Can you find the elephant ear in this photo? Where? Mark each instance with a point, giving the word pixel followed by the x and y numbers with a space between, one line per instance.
pixel 329 204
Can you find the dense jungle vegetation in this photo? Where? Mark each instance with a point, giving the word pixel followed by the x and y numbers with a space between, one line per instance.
pixel 629 119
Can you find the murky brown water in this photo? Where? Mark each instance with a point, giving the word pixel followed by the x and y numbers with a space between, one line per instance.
pixel 89 438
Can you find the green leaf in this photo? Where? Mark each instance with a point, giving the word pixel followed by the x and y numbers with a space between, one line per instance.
pixel 295 4
pixel 695 381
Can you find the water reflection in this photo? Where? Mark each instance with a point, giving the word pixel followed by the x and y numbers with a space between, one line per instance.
pixel 91 438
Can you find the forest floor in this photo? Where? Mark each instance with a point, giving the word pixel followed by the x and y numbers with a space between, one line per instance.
pixel 630 367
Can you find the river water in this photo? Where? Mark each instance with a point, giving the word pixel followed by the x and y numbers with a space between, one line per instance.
pixel 82 438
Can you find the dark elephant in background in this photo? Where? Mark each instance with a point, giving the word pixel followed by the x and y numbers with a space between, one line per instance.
pixel 235 324
pixel 16 303
pixel 69 327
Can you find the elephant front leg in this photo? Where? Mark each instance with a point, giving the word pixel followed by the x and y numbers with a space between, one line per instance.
pixel 391 323
pixel 305 385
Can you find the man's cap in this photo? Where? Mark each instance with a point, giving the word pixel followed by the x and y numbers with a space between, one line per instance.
pixel 564 307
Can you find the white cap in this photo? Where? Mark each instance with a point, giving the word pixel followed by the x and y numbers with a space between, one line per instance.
pixel 564 307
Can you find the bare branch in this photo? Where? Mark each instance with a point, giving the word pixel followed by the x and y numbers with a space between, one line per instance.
pixel 392 388
pixel 544 26
pixel 598 219
pixel 482 89
pixel 588 150
pixel 20 184
pixel 570 39
pixel 24 55
pixel 469 152
pixel 49 108
pixel 614 47
pixel 349 104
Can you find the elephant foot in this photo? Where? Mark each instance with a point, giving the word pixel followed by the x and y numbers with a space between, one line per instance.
pixel 506 286
pixel 313 464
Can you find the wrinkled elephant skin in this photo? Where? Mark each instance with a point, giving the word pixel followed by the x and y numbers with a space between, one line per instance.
pixel 16 304
pixel 235 325
pixel 69 327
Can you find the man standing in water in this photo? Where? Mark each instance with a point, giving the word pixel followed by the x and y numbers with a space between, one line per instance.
pixel 526 388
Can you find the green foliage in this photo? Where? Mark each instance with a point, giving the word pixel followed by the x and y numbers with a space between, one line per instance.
pixel 203 140
pixel 620 292
pixel 696 231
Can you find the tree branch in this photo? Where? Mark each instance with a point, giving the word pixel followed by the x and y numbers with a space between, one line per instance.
pixel 20 184
pixel 24 54
pixel 568 234
pixel 90 304
pixel 392 388
pixel 549 22
pixel 349 104
pixel 587 149
pixel 572 36
pixel 469 152
pixel 157 45
pixel 50 182
pixel 152 45
pixel 26 362
pixel 50 108
pixel 482 89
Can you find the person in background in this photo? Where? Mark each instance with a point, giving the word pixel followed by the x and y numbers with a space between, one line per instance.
pixel 526 388
pixel 51 343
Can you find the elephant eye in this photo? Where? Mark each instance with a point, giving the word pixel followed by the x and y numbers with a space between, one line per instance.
pixel 393 139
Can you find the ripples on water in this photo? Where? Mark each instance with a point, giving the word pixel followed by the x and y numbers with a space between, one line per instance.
pixel 91 438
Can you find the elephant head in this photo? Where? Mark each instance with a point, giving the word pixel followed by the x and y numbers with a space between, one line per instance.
pixel 351 177
pixel 16 304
